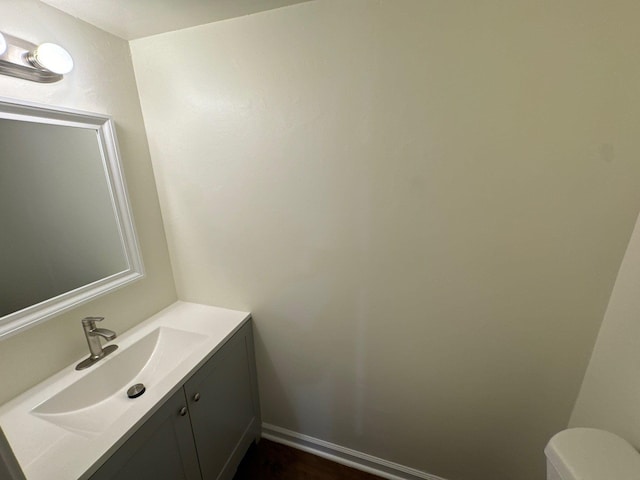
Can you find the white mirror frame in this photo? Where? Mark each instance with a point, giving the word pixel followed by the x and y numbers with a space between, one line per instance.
pixel 104 127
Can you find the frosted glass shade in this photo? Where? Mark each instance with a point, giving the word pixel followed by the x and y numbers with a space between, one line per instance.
pixel 52 57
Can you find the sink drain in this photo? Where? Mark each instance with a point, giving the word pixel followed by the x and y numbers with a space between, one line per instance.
pixel 136 390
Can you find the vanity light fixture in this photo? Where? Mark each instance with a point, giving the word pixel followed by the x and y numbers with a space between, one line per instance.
pixel 45 63
pixel 52 57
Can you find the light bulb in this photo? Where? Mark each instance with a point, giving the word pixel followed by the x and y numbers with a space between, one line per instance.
pixel 51 57
pixel 3 44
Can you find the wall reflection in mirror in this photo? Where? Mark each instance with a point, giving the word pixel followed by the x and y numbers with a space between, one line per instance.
pixel 66 233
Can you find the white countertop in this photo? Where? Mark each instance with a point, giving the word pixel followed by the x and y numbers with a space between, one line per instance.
pixel 47 451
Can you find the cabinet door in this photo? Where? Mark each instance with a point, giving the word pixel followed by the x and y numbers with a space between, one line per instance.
pixel 223 405
pixel 161 448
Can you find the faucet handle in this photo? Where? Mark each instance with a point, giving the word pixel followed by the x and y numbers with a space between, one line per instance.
pixel 91 321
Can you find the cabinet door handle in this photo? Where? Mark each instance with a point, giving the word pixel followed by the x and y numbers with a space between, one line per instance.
pixel 182 411
pixel 196 397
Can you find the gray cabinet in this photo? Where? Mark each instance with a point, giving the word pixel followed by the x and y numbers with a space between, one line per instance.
pixel 223 404
pixel 9 466
pixel 203 431
pixel 162 447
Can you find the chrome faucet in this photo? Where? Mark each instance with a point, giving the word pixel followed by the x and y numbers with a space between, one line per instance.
pixel 93 334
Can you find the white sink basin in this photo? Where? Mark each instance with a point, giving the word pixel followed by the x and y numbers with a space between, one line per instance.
pixel 94 402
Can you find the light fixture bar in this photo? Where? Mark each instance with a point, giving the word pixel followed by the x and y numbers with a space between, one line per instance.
pixel 20 60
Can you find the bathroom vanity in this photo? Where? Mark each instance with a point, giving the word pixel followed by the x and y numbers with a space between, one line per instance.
pixel 195 420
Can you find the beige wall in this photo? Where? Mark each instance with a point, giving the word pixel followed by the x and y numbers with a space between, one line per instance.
pixel 103 81
pixel 610 394
pixel 424 203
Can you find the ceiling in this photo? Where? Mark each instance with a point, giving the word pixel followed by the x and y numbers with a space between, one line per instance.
pixel 131 19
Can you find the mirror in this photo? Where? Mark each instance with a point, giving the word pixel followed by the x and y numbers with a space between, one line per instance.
pixel 67 232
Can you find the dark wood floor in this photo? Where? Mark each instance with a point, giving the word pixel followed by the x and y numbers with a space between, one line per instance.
pixel 273 461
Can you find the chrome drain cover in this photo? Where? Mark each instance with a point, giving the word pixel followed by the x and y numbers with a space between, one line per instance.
pixel 136 390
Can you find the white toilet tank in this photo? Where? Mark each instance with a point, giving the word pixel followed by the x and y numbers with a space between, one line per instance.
pixel 591 454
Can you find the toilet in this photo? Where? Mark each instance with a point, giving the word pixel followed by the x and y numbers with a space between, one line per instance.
pixel 591 454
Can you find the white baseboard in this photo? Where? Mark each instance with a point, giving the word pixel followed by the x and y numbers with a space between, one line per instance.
pixel 345 456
